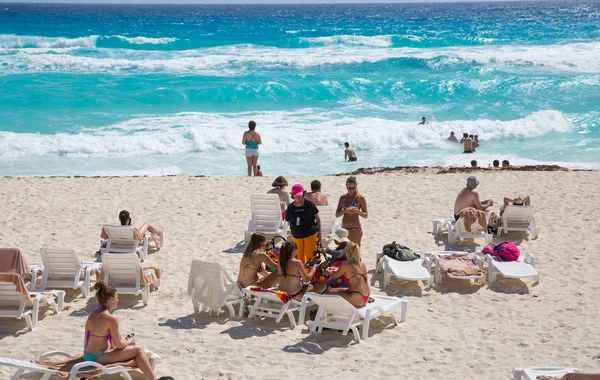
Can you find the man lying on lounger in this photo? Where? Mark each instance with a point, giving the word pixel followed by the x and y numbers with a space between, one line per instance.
pixel 468 197
pixel 125 219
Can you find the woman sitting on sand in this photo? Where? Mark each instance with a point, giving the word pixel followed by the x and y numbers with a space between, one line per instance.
pixel 252 264
pixel 351 207
pixel 103 341
pixel 355 270
pixel 285 199
pixel 294 279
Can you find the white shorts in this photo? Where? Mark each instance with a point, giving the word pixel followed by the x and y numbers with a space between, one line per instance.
pixel 251 152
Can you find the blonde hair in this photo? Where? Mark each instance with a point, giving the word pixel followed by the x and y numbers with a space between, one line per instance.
pixel 353 254
pixel 352 180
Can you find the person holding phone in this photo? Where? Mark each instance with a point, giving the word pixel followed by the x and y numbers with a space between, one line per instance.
pixel 305 224
pixel 157 233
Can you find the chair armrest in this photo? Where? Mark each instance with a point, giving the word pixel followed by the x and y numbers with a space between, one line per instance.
pixel 531 259
pixel 50 354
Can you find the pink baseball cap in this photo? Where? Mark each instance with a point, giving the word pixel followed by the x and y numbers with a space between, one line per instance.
pixel 297 189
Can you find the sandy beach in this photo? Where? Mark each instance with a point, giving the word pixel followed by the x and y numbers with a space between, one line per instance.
pixel 454 331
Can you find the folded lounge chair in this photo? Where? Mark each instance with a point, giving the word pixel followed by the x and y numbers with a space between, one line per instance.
pixel 211 288
pixel 415 270
pixel 62 269
pixel 74 371
pixel 518 218
pixel 121 239
pixel 338 314
pixel 328 221
pixel 125 273
pixel 512 269
pixel 266 216
pixel 18 302
pixel 533 372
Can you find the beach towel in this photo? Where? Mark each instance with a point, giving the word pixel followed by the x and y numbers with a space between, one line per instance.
pixel 321 273
pixel 471 215
pixel 283 296
pixel 21 288
pixel 12 260
pixel 459 265
pixel 64 366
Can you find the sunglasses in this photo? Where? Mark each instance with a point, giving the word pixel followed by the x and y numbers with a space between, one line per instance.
pixel 351 187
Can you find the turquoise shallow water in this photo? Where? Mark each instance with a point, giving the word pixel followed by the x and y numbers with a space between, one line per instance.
pixel 132 89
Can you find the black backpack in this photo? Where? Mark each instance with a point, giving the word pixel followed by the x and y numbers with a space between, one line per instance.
pixel 399 252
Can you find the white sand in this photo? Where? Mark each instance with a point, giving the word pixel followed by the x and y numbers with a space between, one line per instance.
pixel 456 331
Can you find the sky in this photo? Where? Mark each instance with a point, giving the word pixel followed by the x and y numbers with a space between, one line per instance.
pixel 237 1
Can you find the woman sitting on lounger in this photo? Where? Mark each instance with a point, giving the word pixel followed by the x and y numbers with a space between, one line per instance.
pixel 355 270
pixel 103 342
pixel 252 264
pixel 294 279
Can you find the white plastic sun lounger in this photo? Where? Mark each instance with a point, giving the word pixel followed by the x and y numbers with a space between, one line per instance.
pixel 121 239
pixel 338 314
pixel 27 368
pixel 266 216
pixel 61 268
pixel 533 372
pixel 328 221
pixel 457 231
pixel 268 305
pixel 122 270
pixel 415 270
pixel 518 218
pixel 211 288
pixel 14 304
pixel 512 269
pixel 437 275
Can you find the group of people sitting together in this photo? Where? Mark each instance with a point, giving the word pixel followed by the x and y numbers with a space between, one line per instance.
pixel 290 273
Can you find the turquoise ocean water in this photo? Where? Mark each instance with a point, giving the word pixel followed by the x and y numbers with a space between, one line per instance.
pixel 139 89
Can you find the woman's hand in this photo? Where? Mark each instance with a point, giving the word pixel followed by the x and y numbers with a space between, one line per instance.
pixel 131 340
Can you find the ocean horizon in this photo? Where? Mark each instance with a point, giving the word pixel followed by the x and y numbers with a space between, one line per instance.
pixel 120 90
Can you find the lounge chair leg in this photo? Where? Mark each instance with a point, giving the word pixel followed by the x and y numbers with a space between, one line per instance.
pixel 146 294
pixel 292 319
pixel 29 322
pixel 404 314
pixel 355 333
pixel 241 311
pixel 231 311
pixel 365 325
pixel 517 374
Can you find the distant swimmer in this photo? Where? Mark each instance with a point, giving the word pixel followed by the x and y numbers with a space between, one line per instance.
pixel 349 153
pixel 423 121
pixel 452 137
pixel 467 143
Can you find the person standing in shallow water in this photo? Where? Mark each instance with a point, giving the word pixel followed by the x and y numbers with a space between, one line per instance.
pixel 251 139
pixel 349 153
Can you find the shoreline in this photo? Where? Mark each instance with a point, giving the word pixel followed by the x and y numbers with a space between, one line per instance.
pixel 365 171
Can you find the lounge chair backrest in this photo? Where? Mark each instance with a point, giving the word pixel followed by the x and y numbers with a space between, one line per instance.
pixel 266 211
pixel 327 216
pixel 60 263
pixel 210 285
pixel 121 269
pixel 11 298
pixel 518 214
pixel 121 239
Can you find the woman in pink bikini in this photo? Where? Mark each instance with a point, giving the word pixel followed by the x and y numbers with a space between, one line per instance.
pixel 103 342
pixel 351 207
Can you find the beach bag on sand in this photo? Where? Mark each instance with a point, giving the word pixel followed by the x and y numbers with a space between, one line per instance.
pixel 399 252
pixel 505 251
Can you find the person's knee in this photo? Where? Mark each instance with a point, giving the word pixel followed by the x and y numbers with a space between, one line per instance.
pixel 139 349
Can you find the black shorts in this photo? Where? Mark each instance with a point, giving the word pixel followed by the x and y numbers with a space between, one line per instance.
pixel 456 218
pixel 352 159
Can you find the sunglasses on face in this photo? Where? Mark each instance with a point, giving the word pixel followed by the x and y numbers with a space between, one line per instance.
pixel 351 187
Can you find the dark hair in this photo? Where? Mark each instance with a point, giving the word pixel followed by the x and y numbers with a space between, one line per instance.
pixel 476 135
pixel 347 144
pixel 315 185
pixel 252 125
pixel 452 132
pixel 280 182
pixel 285 255
pixel 473 163
pixel 470 136
pixel 123 217
pixel 496 163
pixel 505 162
pixel 258 167
pixel 423 118
pixel 465 135
pixel 256 242
pixel 104 292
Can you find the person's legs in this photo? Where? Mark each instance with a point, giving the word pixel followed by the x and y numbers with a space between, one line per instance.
pixel 300 244
pixel 130 352
pixel 254 165
pixel 527 201
pixel 310 246
pixel 355 236
pixel 249 162
pixel 156 233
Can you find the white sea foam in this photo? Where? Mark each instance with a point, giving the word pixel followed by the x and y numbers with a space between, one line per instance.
pixel 146 40
pixel 377 41
pixel 12 41
pixel 220 133
pixel 238 59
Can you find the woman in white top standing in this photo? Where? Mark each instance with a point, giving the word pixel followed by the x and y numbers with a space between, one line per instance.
pixel 252 140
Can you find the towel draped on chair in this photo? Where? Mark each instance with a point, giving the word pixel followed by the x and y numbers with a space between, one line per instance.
pixel 12 260
pixel 459 265
pixel 64 366
pixel 283 296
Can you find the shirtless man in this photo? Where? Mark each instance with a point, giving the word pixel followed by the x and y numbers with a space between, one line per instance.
pixel 139 233
pixel 423 121
pixel 452 137
pixel 285 199
pixel 476 141
pixel 349 153
pixel 467 143
pixel 315 196
pixel 468 197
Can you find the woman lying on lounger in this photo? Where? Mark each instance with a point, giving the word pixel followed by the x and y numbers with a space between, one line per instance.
pixel 294 279
pixel 355 270
pixel 103 342
pixel 252 264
